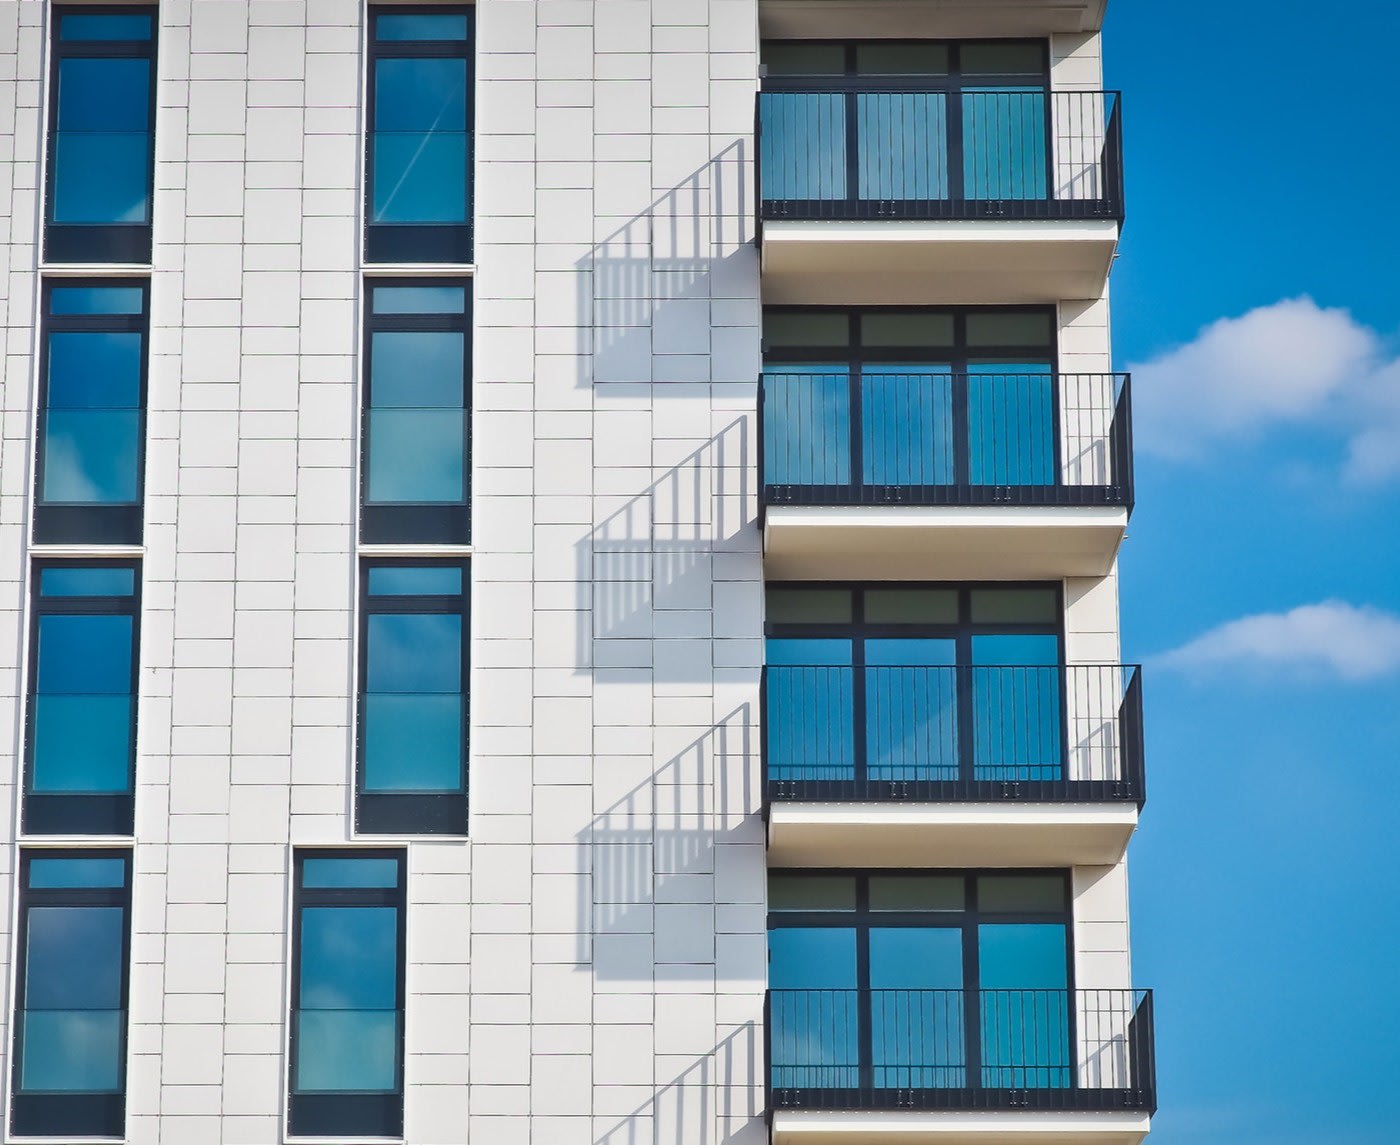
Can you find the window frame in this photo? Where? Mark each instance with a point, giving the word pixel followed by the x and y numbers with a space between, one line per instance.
pixel 99 242
pixel 80 813
pixel 101 523
pixel 425 243
pixel 439 523
pixel 953 79
pixel 346 1113
pixel 70 1113
pixel 433 813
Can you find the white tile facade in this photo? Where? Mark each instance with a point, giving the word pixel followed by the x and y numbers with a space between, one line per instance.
pixel 589 968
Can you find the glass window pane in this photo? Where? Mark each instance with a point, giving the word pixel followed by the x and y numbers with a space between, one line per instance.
pixel 94 370
pixel 420 26
pixel 347 1051
pixel 103 125
pixel 341 871
pixel 807 425
pixel 1015 606
pixel 420 300
pixel 96 300
pixel 85 654
pixel 907 418
pixel 405 580
pixel 811 59
pixel 81 581
pixel 414 652
pixel 803 146
pixel 916 892
pixel 934 652
pixel 410 370
pixel 420 141
pixel 812 958
pixel 785 652
pixel 989 328
pixel 916 958
pixel 806 329
pixel 74 959
pixel 911 606
pixel 809 606
pixel 910 328
pixel 416 456
pixel 46 874
pixel 1021 893
pixel 811 892
pixel 91 456
pixel 102 26
pixel 1002 59
pixel 413 742
pixel 902 59
pixel 81 744
pixel 71 1051
pixel 349 958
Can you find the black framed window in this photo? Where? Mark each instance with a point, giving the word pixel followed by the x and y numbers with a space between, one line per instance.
pixel 92 413
pixel 914 683
pixel 80 758
pixel 416 473
pixel 414 648
pixel 907 980
pixel 72 985
pixel 347 994
pixel 101 153
pixel 857 402
pixel 419 151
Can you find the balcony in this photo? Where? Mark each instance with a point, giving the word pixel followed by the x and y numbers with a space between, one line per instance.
pixel 1059 1067
pixel 877 190
pixel 957 766
pixel 944 476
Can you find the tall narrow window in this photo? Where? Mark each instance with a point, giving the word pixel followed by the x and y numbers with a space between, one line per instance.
pixel 412 773
pixel 416 470
pixel 69 1062
pixel 81 758
pixel 92 412
pixel 101 132
pixel 419 153
pixel 347 994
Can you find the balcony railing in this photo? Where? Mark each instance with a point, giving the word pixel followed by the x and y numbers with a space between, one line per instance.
pixel 896 437
pixel 966 733
pixel 960 1050
pixel 910 149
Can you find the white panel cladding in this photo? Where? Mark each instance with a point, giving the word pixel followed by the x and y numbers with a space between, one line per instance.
pixel 617 926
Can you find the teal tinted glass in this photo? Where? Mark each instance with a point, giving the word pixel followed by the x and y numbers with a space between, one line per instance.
pixel 420 299
pixel 405 580
pixel 65 300
pixel 419 144
pixel 52 874
pixel 104 26
pixel 342 871
pixel 78 581
pixel 103 125
pixel 400 26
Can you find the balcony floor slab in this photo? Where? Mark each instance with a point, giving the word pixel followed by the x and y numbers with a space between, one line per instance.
pixel 876 835
pixel 819 1127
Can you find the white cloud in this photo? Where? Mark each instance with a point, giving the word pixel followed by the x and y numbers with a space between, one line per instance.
pixel 1290 363
pixel 1355 643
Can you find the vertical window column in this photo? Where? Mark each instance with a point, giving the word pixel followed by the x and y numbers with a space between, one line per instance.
pixel 412 761
pixel 101 135
pixel 72 982
pixel 416 470
pixel 80 758
pixel 91 448
pixel 347 994
pixel 419 151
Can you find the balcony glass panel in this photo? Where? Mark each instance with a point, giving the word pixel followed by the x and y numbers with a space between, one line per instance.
pixel 911 709
pixel 807 437
pixel 809 701
pixel 1011 424
pixel 1017 709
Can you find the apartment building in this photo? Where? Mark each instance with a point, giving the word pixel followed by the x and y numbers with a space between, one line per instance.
pixel 558 575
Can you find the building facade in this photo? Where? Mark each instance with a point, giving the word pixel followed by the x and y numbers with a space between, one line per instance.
pixel 558 570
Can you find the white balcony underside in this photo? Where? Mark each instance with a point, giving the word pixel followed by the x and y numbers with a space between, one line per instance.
pixel 812 1127
pixel 943 835
pixel 978 262
pixel 912 19
pixel 907 542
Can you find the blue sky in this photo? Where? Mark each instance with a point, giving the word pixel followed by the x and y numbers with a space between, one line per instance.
pixel 1257 300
